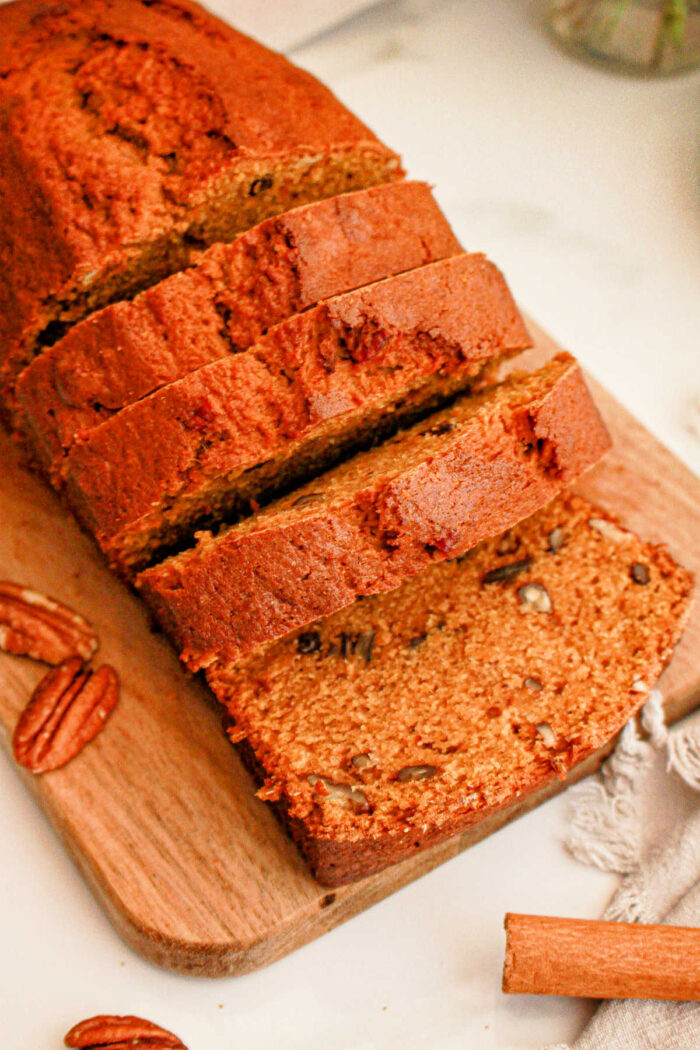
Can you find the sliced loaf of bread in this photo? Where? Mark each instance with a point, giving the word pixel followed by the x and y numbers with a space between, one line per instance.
pixel 410 716
pixel 312 388
pixel 223 305
pixel 134 131
pixel 433 491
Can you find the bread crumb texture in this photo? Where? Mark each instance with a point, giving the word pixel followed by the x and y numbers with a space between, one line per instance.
pixel 412 715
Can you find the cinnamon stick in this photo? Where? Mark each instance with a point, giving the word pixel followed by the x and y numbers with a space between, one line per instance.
pixel 600 960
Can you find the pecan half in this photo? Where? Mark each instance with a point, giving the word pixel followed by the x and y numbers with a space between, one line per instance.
pixel 67 709
pixel 416 773
pixel 350 798
pixel 120 1033
pixel 33 625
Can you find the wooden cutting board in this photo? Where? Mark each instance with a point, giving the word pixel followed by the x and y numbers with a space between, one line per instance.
pixel 158 812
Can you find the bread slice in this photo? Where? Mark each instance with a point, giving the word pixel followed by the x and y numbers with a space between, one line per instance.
pixel 223 305
pixel 434 491
pixel 313 387
pixel 134 131
pixel 412 715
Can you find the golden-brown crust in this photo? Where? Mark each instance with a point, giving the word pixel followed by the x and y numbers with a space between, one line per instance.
pixel 223 305
pixel 433 492
pixel 457 676
pixel 313 386
pixel 100 186
pixel 337 863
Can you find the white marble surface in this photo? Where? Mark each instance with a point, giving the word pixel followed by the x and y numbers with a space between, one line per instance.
pixel 584 188
pixel 289 23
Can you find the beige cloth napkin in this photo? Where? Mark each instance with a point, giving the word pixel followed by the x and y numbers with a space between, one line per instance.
pixel 641 817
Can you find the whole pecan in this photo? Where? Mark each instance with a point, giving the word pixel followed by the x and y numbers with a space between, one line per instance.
pixel 33 625
pixel 67 709
pixel 120 1033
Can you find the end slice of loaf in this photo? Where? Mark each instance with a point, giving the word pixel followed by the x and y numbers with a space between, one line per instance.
pixel 411 716
pixel 315 386
pixel 134 131
pixel 223 305
pixel 432 492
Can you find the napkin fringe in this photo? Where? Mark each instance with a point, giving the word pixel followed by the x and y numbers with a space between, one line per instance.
pixel 605 819
pixel 653 719
pixel 684 756
pixel 659 879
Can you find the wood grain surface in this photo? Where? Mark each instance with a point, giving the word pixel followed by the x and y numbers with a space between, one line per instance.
pixel 158 812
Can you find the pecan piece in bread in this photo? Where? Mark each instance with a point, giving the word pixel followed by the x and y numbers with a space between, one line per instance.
pixel 67 710
pixel 120 1033
pixel 33 625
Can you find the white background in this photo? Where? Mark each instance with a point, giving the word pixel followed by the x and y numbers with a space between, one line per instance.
pixel 584 188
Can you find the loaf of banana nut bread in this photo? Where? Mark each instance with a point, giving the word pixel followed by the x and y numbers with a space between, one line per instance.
pixel 223 305
pixel 134 135
pixel 132 131
pixel 316 385
pixel 412 715
pixel 432 492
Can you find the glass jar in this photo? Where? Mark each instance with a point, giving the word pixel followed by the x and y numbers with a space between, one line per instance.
pixel 647 37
